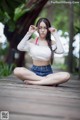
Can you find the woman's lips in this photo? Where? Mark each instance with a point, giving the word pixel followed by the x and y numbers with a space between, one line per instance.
pixel 43 33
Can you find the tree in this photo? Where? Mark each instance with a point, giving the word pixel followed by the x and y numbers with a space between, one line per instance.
pixel 31 10
pixel 65 17
pixel 71 35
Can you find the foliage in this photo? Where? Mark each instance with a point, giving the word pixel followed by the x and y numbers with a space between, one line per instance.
pixel 60 66
pixel 11 11
pixel 5 69
pixel 3 51
pixel 77 18
pixel 60 16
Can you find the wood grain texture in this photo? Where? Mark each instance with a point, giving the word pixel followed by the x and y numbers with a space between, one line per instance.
pixel 32 102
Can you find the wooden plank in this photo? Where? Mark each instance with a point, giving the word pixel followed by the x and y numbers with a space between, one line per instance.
pixel 34 102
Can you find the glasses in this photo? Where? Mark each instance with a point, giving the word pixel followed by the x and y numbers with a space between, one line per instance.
pixel 42 28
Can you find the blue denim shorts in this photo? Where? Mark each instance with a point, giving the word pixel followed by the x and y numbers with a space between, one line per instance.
pixel 42 70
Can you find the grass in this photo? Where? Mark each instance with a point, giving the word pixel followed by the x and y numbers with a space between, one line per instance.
pixel 5 69
pixel 60 66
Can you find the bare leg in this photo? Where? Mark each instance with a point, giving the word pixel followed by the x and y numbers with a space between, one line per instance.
pixel 25 74
pixel 53 79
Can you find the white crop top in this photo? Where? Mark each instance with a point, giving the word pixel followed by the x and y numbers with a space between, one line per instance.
pixel 38 52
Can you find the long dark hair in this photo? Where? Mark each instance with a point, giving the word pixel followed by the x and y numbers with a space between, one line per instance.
pixel 48 36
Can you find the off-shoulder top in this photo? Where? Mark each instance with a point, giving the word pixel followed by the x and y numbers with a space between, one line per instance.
pixel 38 52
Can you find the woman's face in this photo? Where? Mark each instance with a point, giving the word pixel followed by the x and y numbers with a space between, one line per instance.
pixel 42 29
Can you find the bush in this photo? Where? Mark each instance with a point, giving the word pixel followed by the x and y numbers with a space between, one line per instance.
pixel 5 69
pixel 60 66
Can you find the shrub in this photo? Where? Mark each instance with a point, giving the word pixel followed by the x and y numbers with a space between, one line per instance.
pixel 5 69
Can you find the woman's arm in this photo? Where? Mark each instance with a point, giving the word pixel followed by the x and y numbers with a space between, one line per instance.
pixel 24 45
pixel 59 49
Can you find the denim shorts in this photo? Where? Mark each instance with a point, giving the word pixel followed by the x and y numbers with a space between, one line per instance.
pixel 42 70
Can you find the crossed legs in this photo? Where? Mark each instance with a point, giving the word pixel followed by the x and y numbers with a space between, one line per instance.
pixel 25 74
pixel 53 79
pixel 31 78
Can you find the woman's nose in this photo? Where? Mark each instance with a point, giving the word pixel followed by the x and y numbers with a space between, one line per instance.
pixel 42 29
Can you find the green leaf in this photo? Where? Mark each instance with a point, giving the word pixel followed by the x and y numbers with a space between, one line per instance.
pixel 19 11
pixel 11 25
pixel 6 17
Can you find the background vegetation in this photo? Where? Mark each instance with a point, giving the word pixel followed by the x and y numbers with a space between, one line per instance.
pixel 18 15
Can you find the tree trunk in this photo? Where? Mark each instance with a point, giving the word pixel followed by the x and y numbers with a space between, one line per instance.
pixel 71 35
pixel 15 56
pixel 79 54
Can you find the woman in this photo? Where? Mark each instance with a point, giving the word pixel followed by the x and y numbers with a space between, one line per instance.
pixel 41 50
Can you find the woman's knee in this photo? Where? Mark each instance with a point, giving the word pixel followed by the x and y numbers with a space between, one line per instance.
pixel 21 71
pixel 17 70
pixel 64 76
pixel 67 76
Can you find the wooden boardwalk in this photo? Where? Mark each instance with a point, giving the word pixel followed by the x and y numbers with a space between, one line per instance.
pixel 32 102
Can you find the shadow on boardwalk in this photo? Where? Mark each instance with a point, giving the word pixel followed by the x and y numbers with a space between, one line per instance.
pixel 32 102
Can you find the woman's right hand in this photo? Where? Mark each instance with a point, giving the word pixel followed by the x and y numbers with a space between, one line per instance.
pixel 32 28
pixel 52 29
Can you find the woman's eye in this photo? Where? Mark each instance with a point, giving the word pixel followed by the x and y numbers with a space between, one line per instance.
pixel 42 27
pixel 45 27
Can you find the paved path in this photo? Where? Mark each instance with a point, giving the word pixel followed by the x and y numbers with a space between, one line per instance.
pixel 32 102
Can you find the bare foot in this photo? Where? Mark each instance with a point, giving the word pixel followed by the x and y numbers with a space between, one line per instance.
pixel 25 81
pixel 28 82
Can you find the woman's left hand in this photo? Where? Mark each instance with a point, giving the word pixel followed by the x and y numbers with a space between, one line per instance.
pixel 51 29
